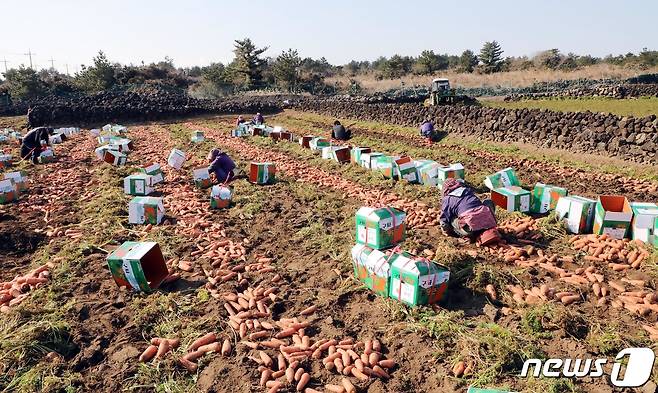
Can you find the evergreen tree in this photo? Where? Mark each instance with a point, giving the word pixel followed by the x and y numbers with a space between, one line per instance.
pixel 286 69
pixel 248 65
pixel 491 57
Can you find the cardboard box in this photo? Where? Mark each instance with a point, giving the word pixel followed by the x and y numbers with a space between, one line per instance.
pixel 262 172
pixel 201 178
pixel 373 268
pixel 18 179
pixel 138 265
pixel 241 131
pixel 577 213
pixel 8 192
pixel 545 197
pixel 357 152
pixel 123 145
pixel 386 165
pixel 512 199
pixel 140 184
pixel 380 228
pixel 197 136
pixel 612 215
pixel 326 152
pixel 220 197
pixel 416 280
pixel 176 159
pixel 95 132
pixel 145 210
pixel 454 171
pixel 5 161
pixel 645 222
pixel 504 178
pixel 305 141
pixel 115 157
pixel 46 156
pixel 340 154
pixel 281 135
pixel 154 171
pixel 55 139
pixel 406 169
pixel 368 159
pixel 318 143
pixel 257 130
pixel 428 172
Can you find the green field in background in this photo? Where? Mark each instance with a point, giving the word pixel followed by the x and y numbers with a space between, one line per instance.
pixel 623 107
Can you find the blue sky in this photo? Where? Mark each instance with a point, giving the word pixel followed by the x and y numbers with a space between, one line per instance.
pixel 202 31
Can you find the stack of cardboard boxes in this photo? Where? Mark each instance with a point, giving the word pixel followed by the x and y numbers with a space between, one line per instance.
pixel 387 270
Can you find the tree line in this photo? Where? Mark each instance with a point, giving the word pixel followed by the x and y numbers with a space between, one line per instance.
pixel 251 69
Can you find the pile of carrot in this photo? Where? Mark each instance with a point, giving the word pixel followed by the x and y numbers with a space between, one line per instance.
pixel 159 348
pixel 618 254
pixel 17 290
pixel 524 229
pixel 201 346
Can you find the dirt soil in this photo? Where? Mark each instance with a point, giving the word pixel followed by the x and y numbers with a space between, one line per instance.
pixel 304 224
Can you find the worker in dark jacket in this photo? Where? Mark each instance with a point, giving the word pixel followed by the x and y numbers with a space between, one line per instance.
pixel 33 143
pixel 463 213
pixel 339 132
pixel 240 120
pixel 221 165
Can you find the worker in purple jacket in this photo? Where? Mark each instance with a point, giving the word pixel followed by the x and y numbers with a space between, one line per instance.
pixel 258 119
pixel 427 130
pixel 463 213
pixel 221 165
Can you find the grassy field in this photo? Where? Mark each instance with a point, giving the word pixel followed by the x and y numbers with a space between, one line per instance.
pixel 635 107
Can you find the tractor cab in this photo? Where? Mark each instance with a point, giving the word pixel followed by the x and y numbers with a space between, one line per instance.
pixel 440 85
pixel 440 93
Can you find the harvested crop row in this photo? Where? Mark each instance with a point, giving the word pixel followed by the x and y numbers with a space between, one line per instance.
pixel 419 215
pixel 576 180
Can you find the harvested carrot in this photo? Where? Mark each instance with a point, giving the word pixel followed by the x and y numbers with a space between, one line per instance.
pixel 458 369
pixel 349 387
pixel 226 348
pixel 303 381
pixel 148 353
pixel 207 339
pixel 309 310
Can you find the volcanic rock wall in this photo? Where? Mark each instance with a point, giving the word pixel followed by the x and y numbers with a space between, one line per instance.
pixel 618 91
pixel 629 138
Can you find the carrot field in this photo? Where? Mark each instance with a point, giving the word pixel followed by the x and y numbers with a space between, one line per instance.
pixel 262 296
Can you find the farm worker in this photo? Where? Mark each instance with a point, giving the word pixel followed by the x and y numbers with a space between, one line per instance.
pixel 239 121
pixel 221 165
pixel 339 132
pixel 33 143
pixel 427 130
pixel 258 119
pixel 463 214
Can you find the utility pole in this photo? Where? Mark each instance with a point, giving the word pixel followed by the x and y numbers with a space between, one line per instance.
pixel 67 69
pixel 5 61
pixel 52 62
pixel 29 54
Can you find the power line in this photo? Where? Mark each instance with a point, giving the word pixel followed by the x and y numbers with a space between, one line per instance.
pixel 29 54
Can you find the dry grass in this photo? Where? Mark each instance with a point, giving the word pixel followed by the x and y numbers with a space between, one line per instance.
pixel 510 79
